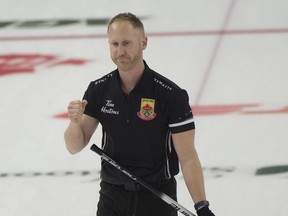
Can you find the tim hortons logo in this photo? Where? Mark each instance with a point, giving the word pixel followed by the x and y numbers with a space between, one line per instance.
pixel 14 63
pixel 109 108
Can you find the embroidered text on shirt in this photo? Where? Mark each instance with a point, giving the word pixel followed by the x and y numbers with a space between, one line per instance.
pixel 109 108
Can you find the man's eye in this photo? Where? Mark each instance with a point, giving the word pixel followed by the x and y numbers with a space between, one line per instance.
pixel 126 43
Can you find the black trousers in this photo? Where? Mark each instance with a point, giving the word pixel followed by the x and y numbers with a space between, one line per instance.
pixel 134 200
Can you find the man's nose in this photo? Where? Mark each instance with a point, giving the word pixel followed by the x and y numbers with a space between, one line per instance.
pixel 121 50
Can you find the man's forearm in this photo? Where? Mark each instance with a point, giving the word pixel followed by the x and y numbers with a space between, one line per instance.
pixel 194 179
pixel 74 138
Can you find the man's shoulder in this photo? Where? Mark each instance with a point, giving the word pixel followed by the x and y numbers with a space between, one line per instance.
pixel 164 82
pixel 105 79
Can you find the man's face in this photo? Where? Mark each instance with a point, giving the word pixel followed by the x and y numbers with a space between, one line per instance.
pixel 126 45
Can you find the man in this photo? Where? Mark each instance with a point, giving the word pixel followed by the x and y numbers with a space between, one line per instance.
pixel 147 125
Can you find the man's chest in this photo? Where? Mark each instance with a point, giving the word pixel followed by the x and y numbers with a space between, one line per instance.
pixel 135 110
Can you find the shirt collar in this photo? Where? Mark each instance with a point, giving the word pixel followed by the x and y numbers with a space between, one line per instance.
pixel 142 82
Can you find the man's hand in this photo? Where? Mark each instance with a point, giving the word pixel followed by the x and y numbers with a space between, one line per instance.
pixel 205 211
pixel 76 109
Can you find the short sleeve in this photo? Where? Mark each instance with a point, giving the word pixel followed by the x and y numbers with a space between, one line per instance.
pixel 90 96
pixel 180 113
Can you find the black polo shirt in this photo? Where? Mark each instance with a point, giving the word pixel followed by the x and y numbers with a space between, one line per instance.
pixel 137 127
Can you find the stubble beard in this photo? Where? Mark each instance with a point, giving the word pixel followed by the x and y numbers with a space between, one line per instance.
pixel 128 63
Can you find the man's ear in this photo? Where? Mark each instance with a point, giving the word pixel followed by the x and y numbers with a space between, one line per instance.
pixel 144 43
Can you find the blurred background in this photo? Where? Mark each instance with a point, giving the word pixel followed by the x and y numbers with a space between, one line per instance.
pixel 230 56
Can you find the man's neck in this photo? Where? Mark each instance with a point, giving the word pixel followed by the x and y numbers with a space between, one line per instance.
pixel 129 79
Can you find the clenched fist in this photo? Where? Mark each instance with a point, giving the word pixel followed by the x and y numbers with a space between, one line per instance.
pixel 76 109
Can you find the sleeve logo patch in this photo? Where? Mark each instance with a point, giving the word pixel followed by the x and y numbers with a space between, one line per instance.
pixel 146 112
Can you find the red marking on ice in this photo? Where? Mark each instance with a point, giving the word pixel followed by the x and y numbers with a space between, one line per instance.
pixel 28 63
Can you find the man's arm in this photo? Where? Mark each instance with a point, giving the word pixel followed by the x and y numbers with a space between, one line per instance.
pixel 81 127
pixel 190 164
pixel 192 170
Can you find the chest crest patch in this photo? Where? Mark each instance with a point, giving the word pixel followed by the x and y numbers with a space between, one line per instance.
pixel 147 112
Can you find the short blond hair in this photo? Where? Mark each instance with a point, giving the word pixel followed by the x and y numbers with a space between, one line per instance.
pixel 134 20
